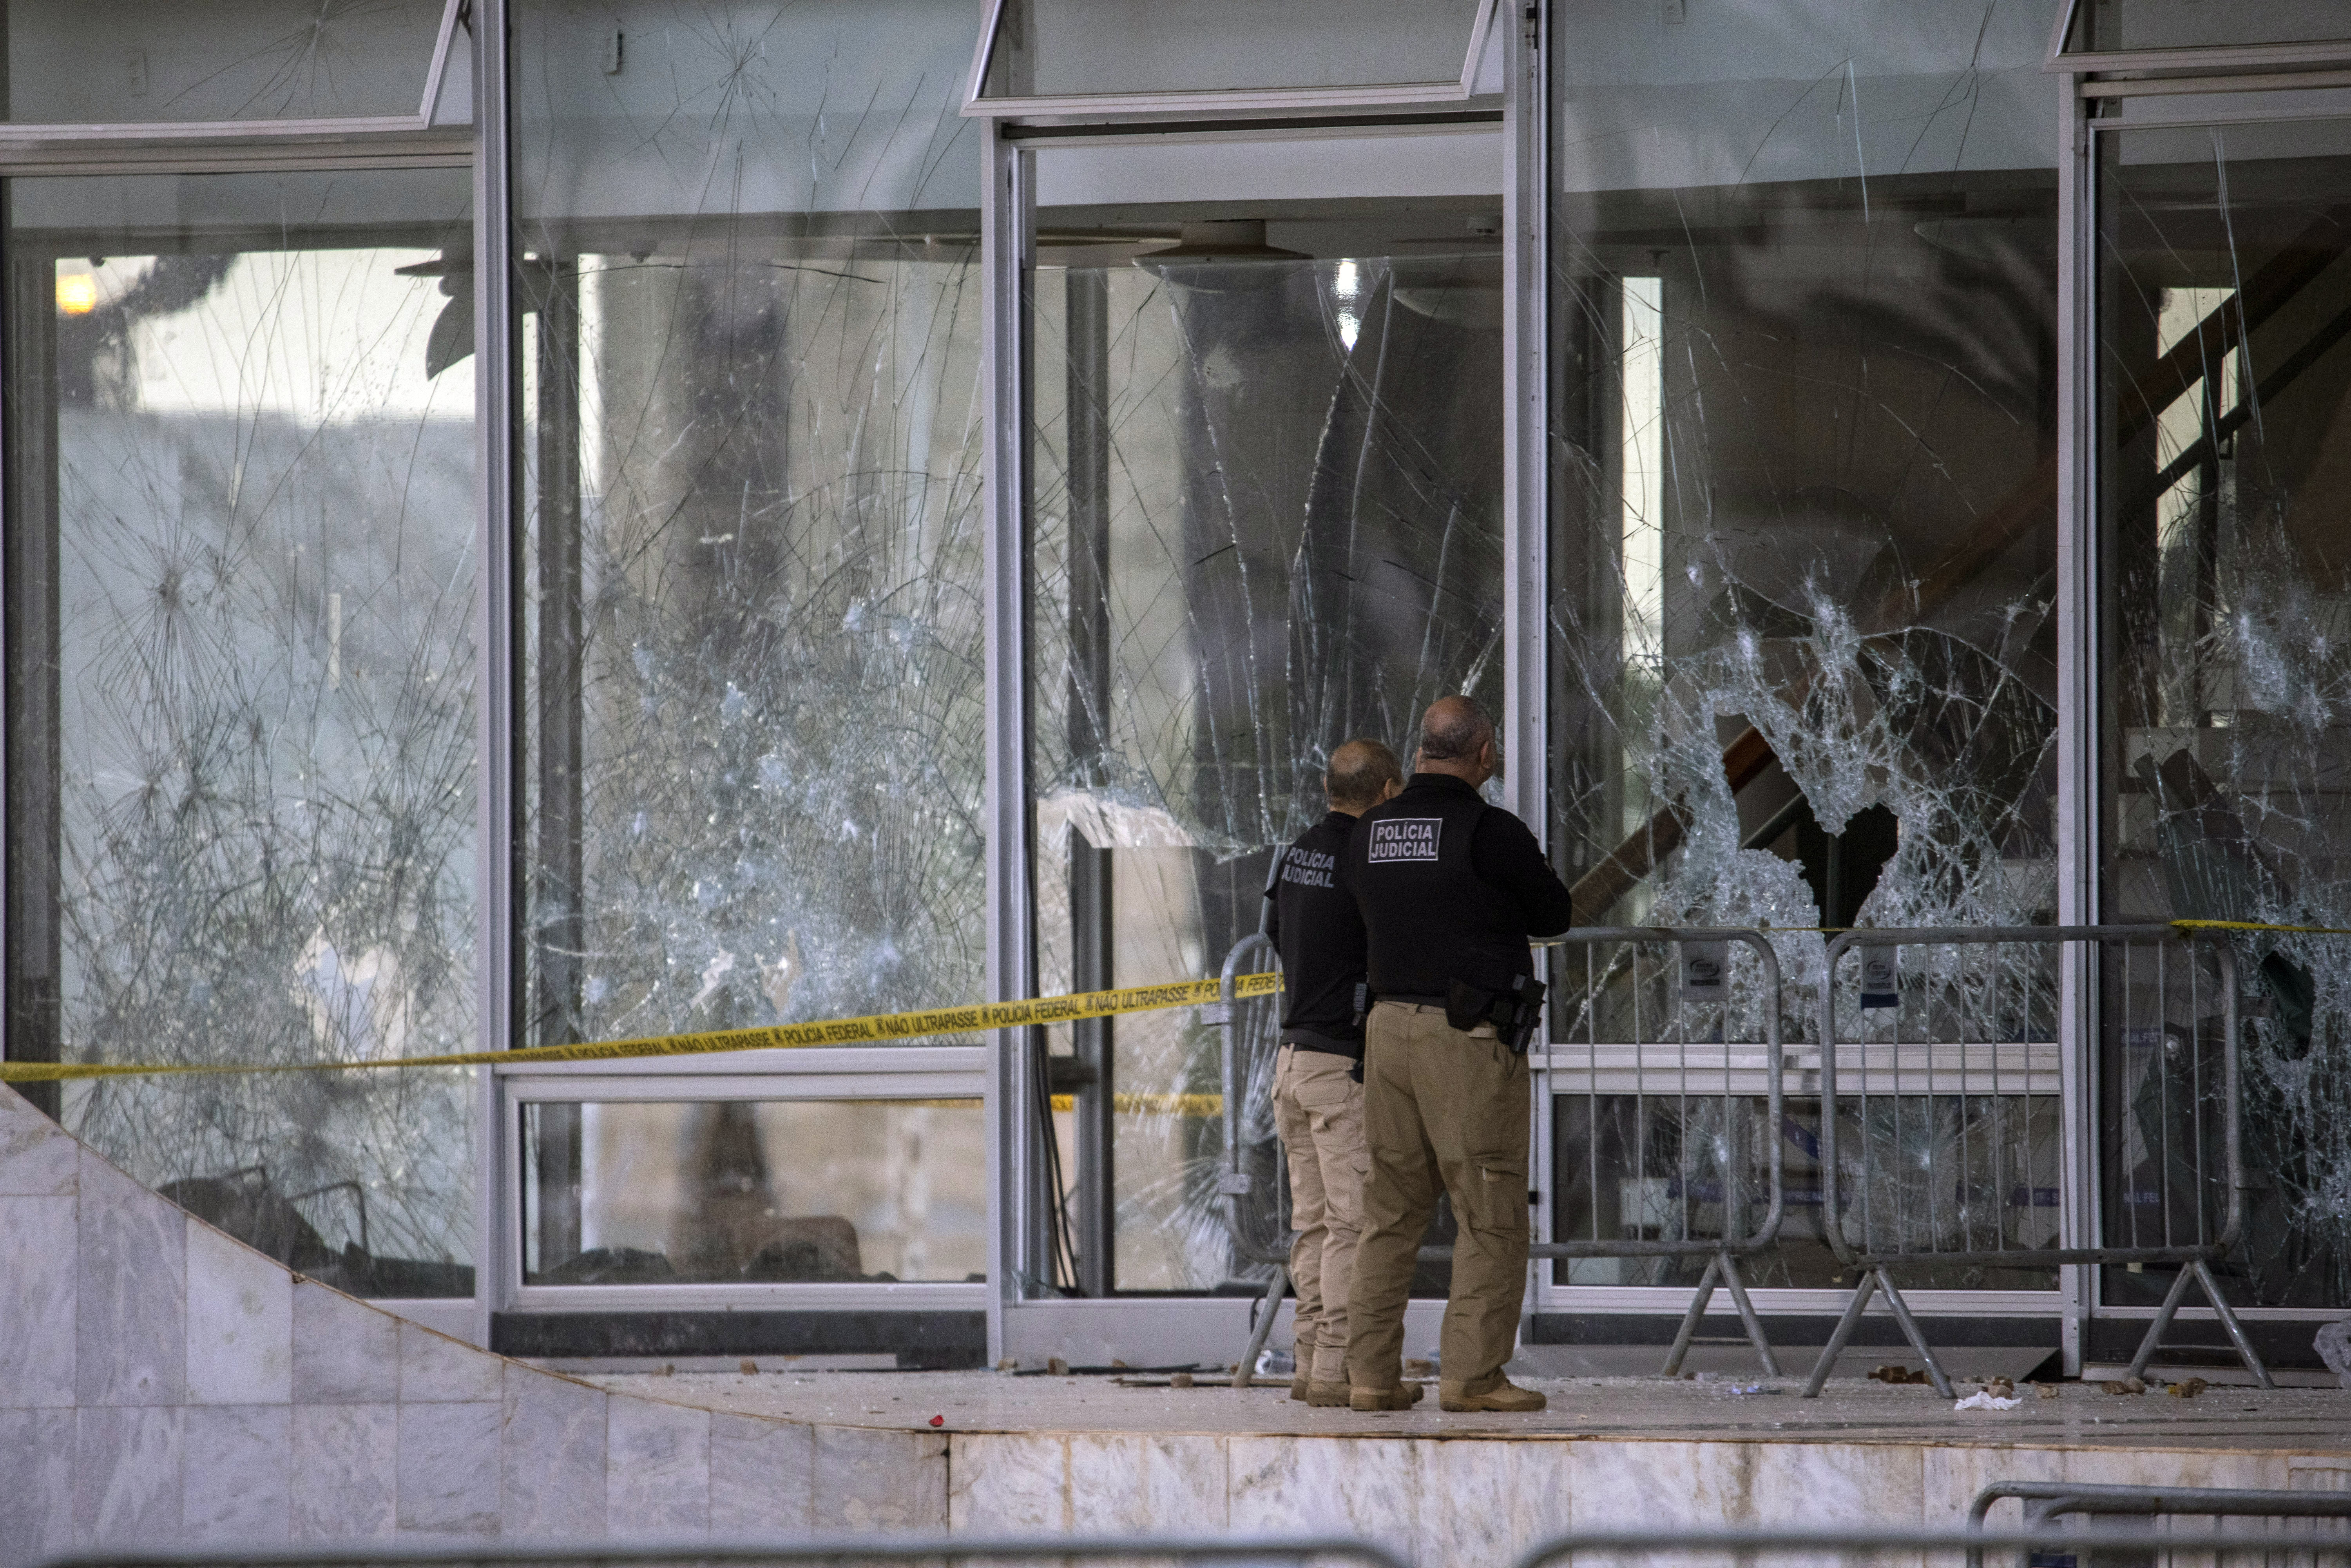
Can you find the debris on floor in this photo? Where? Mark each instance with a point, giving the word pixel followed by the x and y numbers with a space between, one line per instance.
pixel 1891 1373
pixel 1986 1400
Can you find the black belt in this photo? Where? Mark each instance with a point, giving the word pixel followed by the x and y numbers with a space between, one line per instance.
pixel 1307 1039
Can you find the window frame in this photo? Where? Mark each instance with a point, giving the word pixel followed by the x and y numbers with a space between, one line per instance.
pixel 2198 59
pixel 880 1073
pixel 1210 101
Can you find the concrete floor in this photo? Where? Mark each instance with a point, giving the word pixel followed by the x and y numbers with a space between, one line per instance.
pixel 1736 1407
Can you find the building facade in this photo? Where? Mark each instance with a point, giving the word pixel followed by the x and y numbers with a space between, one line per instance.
pixel 533 521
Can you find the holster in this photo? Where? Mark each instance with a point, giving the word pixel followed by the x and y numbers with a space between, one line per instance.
pixel 1514 1013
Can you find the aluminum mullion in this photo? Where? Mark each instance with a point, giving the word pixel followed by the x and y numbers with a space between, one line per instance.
pixel 1007 221
pixel 2078 846
pixel 496 1240
pixel 1525 513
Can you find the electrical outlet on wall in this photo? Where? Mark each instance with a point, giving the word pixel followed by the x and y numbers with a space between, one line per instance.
pixel 135 73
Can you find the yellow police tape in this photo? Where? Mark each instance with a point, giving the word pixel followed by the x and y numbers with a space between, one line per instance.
pixel 865 1032
pixel 782 1036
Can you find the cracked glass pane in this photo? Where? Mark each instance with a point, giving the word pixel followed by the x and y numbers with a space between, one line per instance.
pixel 240 580
pixel 1265 515
pixel 1055 49
pixel 71 62
pixel 2223 388
pixel 752 734
pixel 1802 447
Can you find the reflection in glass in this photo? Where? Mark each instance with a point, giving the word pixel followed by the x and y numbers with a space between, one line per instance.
pixel 73 62
pixel 2223 388
pixel 1804 425
pixel 2108 27
pixel 241 777
pixel 1056 48
pixel 1265 517
pixel 810 1191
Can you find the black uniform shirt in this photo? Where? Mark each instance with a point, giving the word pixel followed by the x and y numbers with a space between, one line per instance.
pixel 1320 937
pixel 1450 889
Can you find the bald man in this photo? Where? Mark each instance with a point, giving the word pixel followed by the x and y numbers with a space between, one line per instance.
pixel 1451 890
pixel 1318 1090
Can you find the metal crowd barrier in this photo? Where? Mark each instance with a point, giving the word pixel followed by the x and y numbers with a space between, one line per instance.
pixel 2046 1500
pixel 1941 1138
pixel 1672 1066
pixel 1707 1173
pixel 842 1551
pixel 2046 1546
pixel 1235 1184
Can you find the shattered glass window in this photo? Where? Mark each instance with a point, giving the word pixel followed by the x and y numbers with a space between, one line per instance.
pixel 2225 613
pixel 71 62
pixel 1264 517
pixel 240 786
pixel 1802 448
pixel 752 734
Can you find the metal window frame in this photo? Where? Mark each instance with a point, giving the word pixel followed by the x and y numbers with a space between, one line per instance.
pixel 1526 505
pixel 1209 100
pixel 2187 57
pixel 916 1072
pixel 1008 226
pixel 358 143
pixel 495 676
pixel 2078 592
pixel 2079 852
pixel 330 129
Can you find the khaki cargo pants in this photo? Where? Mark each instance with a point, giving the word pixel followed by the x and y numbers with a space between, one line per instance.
pixel 1440 1106
pixel 1318 1109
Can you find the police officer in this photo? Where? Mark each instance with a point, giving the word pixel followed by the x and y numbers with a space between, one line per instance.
pixel 1450 889
pixel 1318 1092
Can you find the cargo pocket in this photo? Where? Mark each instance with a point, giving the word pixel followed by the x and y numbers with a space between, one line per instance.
pixel 1497 1191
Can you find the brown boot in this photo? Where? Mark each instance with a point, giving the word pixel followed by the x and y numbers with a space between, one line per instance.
pixel 1327 1395
pixel 1301 1389
pixel 1497 1394
pixel 1404 1398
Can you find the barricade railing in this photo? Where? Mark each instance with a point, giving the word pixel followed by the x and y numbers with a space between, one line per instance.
pixel 2046 1545
pixel 2043 1501
pixel 1672 1056
pixel 1235 1183
pixel 1673 1053
pixel 839 1552
pixel 1942 1134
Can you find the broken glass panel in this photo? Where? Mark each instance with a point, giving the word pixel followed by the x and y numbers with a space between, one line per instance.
pixel 1264 517
pixel 1803 470
pixel 2224 386
pixel 2115 26
pixel 756 1192
pixel 752 738
pixel 240 786
pixel 1061 48
pixel 142 61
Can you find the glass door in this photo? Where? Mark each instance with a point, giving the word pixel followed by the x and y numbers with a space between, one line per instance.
pixel 1264 515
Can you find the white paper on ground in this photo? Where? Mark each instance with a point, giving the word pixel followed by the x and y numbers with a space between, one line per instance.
pixel 1987 1400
